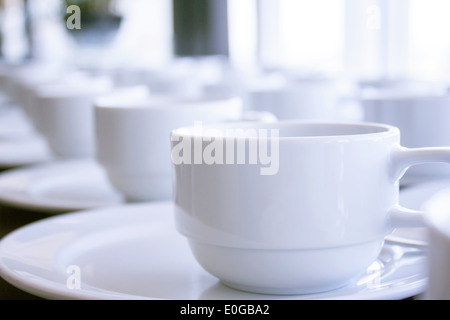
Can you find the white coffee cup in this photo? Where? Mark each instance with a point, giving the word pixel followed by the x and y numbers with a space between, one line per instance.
pixel 265 93
pixel 437 219
pixel 291 97
pixel 309 215
pixel 63 114
pixel 13 75
pixel 401 84
pixel 422 119
pixel 133 138
pixel 311 98
pixel 28 87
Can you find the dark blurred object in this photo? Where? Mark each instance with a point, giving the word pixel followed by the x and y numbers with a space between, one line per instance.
pixel 10 220
pixel 100 21
pixel 200 27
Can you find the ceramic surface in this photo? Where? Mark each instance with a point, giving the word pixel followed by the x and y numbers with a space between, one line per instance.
pixel 293 97
pixel 133 139
pixel 421 118
pixel 75 256
pixel 336 189
pixel 63 114
pixel 438 258
pixel 58 186
pixel 24 150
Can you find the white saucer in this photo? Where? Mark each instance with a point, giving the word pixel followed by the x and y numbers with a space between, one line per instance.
pixel 23 151
pixel 133 252
pixel 59 186
pixel 414 197
pixel 14 123
pixel 4 100
pixel 20 144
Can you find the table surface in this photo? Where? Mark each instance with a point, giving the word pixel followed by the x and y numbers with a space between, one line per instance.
pixel 11 219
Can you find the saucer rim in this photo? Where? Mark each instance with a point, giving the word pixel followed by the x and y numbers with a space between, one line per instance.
pixel 22 200
pixel 51 289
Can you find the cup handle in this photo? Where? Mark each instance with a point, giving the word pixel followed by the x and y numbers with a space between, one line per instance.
pixel 401 159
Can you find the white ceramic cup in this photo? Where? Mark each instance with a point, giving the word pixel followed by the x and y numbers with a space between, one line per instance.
pixel 437 219
pixel 422 120
pixel 403 85
pixel 307 216
pixel 63 114
pixel 311 98
pixel 133 138
pixel 291 97
pixel 265 93
pixel 28 88
pixel 15 74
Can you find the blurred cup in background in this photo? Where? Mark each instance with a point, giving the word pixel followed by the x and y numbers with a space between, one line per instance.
pixel 437 210
pixel 421 116
pixel 63 114
pixel 133 138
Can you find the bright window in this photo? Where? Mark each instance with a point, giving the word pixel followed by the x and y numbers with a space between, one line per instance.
pixel 312 34
pixel 364 38
pixel 429 39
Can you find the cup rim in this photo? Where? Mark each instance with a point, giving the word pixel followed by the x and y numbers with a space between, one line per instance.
pixel 402 94
pixel 379 130
pixel 164 102
pixel 89 89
